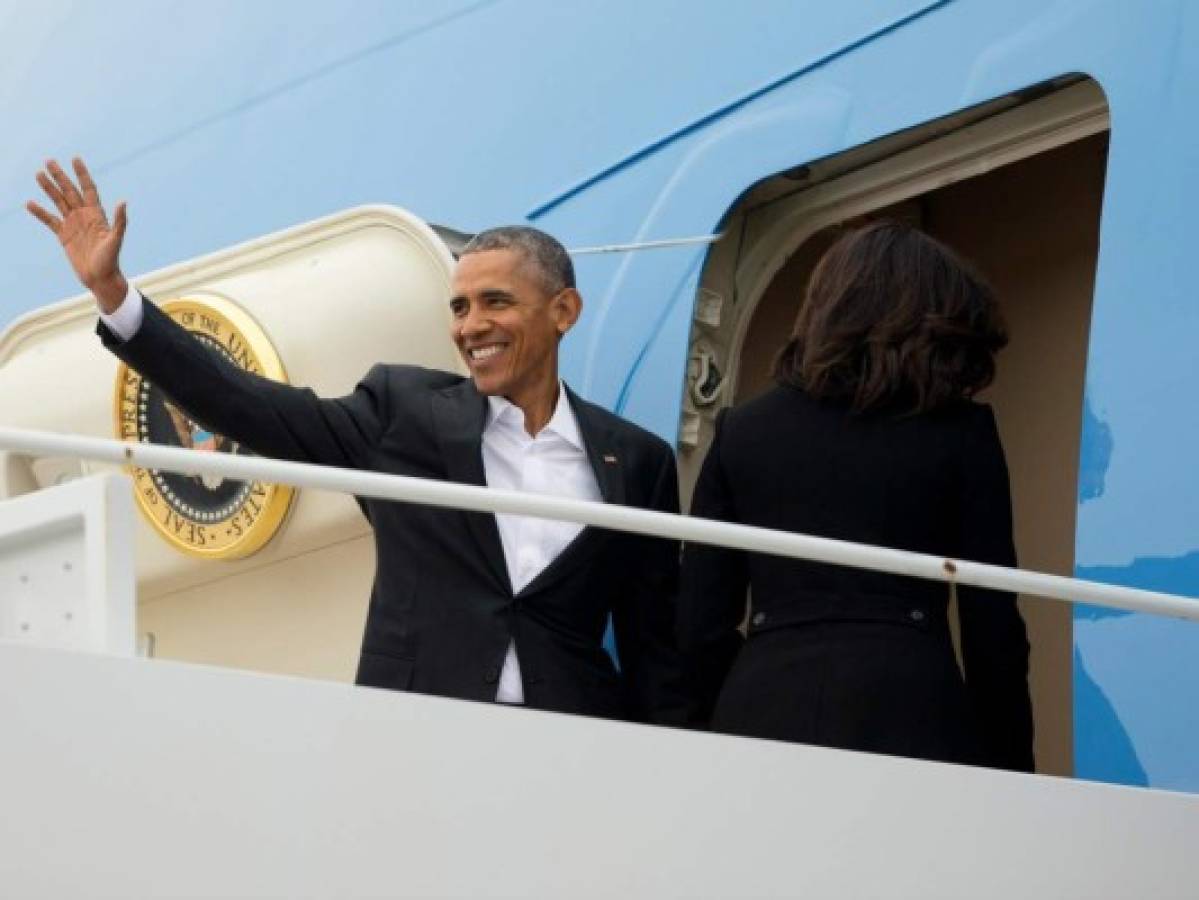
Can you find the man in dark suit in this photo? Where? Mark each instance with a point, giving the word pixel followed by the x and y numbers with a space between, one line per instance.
pixel 492 608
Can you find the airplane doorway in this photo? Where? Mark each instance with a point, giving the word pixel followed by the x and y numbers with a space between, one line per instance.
pixel 1016 187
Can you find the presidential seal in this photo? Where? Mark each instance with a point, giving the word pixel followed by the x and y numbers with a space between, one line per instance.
pixel 202 515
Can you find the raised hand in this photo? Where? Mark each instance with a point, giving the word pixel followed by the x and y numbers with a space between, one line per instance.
pixel 92 245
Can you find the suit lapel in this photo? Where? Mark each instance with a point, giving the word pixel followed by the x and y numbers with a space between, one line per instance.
pixel 459 414
pixel 606 463
pixel 601 451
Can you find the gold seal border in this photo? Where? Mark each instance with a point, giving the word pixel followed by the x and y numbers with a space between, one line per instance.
pixel 279 497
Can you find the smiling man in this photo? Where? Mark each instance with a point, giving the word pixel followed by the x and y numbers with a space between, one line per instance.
pixel 493 608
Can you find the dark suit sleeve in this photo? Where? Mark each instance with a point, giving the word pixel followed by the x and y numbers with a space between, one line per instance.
pixel 270 418
pixel 713 594
pixel 643 617
pixel 994 642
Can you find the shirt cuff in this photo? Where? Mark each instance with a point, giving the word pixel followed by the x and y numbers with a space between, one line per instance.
pixel 126 319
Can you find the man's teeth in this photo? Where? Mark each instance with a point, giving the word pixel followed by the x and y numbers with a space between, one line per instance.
pixel 481 353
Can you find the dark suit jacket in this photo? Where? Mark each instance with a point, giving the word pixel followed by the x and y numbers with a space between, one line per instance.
pixel 843 656
pixel 442 610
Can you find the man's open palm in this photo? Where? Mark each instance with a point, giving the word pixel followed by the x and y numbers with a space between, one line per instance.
pixel 92 245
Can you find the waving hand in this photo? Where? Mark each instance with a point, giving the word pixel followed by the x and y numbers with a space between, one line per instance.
pixel 91 243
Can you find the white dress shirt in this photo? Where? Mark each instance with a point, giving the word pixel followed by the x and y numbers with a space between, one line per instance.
pixel 553 462
pixel 127 318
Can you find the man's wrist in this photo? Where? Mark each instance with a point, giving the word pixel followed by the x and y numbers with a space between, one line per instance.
pixel 110 293
pixel 126 320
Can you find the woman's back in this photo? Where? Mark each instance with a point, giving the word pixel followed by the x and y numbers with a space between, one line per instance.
pixel 908 482
pixel 870 436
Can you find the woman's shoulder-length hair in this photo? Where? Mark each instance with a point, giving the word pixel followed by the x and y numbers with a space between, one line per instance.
pixel 893 320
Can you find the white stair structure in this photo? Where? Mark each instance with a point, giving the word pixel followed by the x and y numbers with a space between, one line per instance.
pixel 66 566
pixel 127 777
pixel 141 778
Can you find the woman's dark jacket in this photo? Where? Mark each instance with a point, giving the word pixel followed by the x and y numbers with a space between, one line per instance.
pixel 845 657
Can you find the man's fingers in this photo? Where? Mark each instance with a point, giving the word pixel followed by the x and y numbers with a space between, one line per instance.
pixel 53 192
pixel 69 192
pixel 90 195
pixel 119 221
pixel 51 222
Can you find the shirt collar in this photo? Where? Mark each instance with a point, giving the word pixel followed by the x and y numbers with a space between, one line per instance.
pixel 562 423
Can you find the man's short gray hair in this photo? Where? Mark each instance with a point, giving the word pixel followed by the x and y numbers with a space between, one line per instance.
pixel 550 259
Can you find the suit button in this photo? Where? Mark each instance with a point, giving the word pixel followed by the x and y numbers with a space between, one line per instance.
pixel 917 615
pixel 758 619
pixel 493 674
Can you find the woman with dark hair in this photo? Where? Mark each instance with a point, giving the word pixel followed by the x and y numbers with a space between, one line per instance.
pixel 869 435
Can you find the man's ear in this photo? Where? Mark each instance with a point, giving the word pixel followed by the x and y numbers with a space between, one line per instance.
pixel 566 306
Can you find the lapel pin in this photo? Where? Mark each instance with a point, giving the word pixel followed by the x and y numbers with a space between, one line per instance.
pixel 609 458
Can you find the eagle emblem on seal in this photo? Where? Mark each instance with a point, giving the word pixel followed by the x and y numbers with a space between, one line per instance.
pixel 193 436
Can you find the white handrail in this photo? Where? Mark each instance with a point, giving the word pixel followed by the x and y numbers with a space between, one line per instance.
pixel 430 492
